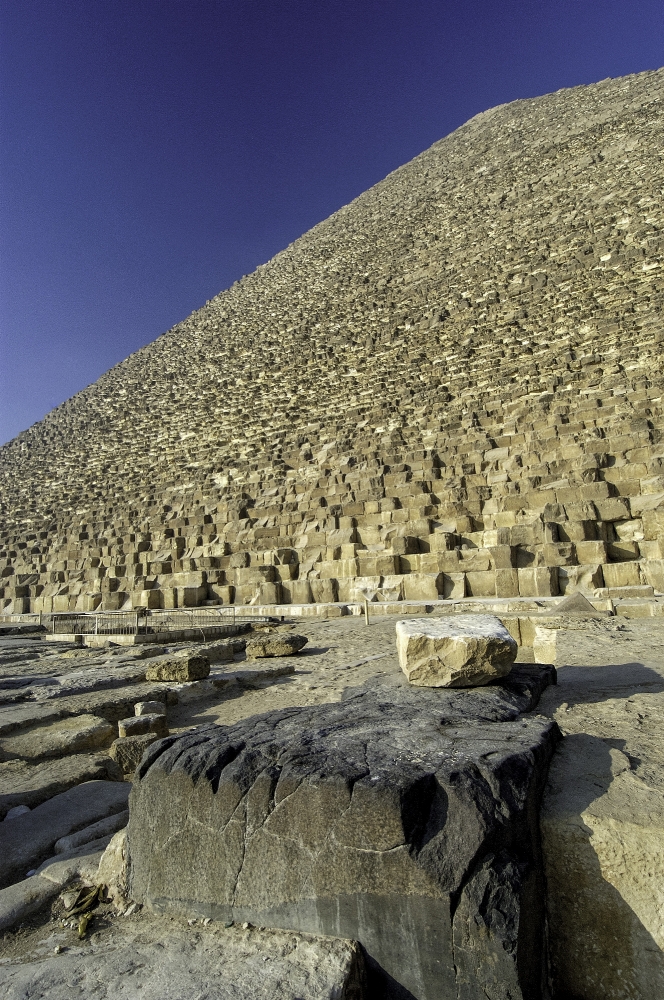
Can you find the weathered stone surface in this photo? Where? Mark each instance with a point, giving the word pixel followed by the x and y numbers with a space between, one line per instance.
pixel 179 668
pixel 128 751
pixel 455 651
pixel 29 839
pixel 366 819
pixel 275 645
pixel 224 651
pixel 23 898
pixel 149 708
pixel 22 783
pixel 159 959
pixel 602 818
pixel 113 871
pixel 139 725
pixel 102 828
pixel 603 835
pixel 78 734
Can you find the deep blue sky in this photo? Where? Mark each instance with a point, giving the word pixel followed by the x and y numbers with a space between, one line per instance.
pixel 153 151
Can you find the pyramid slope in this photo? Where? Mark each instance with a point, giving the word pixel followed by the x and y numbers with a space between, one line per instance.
pixel 451 386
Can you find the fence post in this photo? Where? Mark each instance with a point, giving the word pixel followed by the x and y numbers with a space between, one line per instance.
pixel 366 611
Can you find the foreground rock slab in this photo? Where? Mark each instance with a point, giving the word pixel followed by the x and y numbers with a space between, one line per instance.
pixel 161 959
pixel 459 651
pixel 27 840
pixel 27 784
pixel 404 818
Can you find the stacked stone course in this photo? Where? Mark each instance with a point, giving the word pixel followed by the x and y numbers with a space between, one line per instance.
pixel 452 387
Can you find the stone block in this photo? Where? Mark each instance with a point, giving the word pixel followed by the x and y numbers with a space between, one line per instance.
pixel 458 651
pixel 363 820
pixel 507 583
pixel 324 591
pixel 297 592
pixel 128 751
pixel 420 587
pixel 139 725
pixel 653 573
pixel 538 581
pixel 591 552
pixel 179 668
pixel 152 707
pixel 279 644
pixel 584 578
pixel 621 574
pixel 454 586
pixel 481 584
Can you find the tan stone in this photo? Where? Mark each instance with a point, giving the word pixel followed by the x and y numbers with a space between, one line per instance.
pixel 179 668
pixel 459 651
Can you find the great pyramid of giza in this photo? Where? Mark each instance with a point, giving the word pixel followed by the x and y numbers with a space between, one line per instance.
pixel 451 387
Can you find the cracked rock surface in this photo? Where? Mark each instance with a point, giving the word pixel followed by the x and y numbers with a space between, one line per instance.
pixel 403 818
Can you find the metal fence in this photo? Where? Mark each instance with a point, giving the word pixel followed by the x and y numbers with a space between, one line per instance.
pixel 210 622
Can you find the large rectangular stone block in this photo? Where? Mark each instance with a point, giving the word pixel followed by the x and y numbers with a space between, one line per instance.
pixel 364 820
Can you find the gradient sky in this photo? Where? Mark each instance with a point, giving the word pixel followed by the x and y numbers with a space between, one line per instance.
pixel 153 151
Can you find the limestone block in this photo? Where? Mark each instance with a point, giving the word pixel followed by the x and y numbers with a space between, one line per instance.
pixel 481 584
pixel 158 707
pixel 269 593
pixel 179 668
pixel 591 552
pixel 378 565
pixel 653 573
pixel 324 591
pixel 421 587
pixel 279 644
pixel 128 751
pixel 539 581
pixel 454 586
pixel 621 574
pixel 544 644
pixel 139 725
pixel 191 597
pixel 391 589
pixel 297 592
pixel 561 554
pixel 507 583
pixel 584 578
pixel 460 651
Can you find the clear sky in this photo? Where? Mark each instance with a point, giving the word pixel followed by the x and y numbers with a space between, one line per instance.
pixel 153 151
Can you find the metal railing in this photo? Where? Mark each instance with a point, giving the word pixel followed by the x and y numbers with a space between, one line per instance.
pixel 212 622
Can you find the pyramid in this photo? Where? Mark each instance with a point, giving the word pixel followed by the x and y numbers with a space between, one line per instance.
pixel 451 387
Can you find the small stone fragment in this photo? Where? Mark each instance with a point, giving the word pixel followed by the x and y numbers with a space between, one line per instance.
pixel 275 645
pixel 456 651
pixel 180 669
